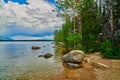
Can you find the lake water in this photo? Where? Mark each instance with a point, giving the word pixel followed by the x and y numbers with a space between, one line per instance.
pixel 19 62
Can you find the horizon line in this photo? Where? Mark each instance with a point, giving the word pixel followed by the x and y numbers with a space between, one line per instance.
pixel 27 40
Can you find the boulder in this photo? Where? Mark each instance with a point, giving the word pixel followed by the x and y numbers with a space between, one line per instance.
pixel 73 65
pixel 53 47
pixel 35 47
pixel 48 55
pixel 52 43
pixel 61 44
pixel 75 56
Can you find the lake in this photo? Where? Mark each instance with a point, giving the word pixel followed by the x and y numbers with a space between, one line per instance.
pixel 19 62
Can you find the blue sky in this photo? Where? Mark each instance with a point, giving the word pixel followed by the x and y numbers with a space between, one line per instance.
pixel 28 19
pixel 19 1
pixel 25 1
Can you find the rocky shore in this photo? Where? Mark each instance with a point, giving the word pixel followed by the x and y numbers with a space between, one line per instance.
pixel 80 66
pixel 95 67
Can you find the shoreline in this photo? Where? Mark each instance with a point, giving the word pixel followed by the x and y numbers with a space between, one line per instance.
pixel 26 40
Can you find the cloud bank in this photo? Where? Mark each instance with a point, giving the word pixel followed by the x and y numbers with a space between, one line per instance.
pixel 32 38
pixel 37 16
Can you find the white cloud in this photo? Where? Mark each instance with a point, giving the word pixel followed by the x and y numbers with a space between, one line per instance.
pixel 2 16
pixel 20 37
pixel 37 15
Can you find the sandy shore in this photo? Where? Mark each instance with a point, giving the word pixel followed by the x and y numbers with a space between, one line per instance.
pixel 95 68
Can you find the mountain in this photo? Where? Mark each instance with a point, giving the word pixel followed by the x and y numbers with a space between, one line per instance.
pixel 5 38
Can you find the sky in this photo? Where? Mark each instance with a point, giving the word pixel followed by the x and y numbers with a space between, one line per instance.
pixel 28 19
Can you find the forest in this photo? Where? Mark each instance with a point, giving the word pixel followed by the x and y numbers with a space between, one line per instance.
pixel 91 26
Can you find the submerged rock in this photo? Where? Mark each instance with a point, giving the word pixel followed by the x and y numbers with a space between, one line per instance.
pixel 52 43
pixel 53 46
pixel 75 56
pixel 35 47
pixel 40 55
pixel 48 55
pixel 44 46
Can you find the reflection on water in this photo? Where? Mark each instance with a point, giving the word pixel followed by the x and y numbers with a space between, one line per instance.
pixel 19 62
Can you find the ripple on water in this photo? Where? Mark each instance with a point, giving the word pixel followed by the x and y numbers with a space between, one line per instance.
pixel 27 66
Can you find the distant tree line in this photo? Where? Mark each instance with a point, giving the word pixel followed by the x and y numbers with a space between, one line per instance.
pixel 90 25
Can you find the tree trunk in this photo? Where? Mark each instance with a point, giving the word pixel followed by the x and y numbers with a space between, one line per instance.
pixel 111 20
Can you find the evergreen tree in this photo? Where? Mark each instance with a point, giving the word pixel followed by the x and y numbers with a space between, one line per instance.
pixel 91 25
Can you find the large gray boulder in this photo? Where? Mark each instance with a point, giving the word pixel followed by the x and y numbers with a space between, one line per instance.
pixel 75 56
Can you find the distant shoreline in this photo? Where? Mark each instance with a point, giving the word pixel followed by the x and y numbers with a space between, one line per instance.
pixel 23 40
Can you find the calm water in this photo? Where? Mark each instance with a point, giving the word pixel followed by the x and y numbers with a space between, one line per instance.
pixel 19 62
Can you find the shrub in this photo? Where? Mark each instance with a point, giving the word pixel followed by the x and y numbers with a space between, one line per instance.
pixel 109 50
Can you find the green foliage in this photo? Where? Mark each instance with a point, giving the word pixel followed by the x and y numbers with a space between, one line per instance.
pixel 58 36
pixel 71 34
pixel 106 46
pixel 108 49
pixel 81 31
pixel 74 38
pixel 61 35
pixel 91 26
pixel 90 43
